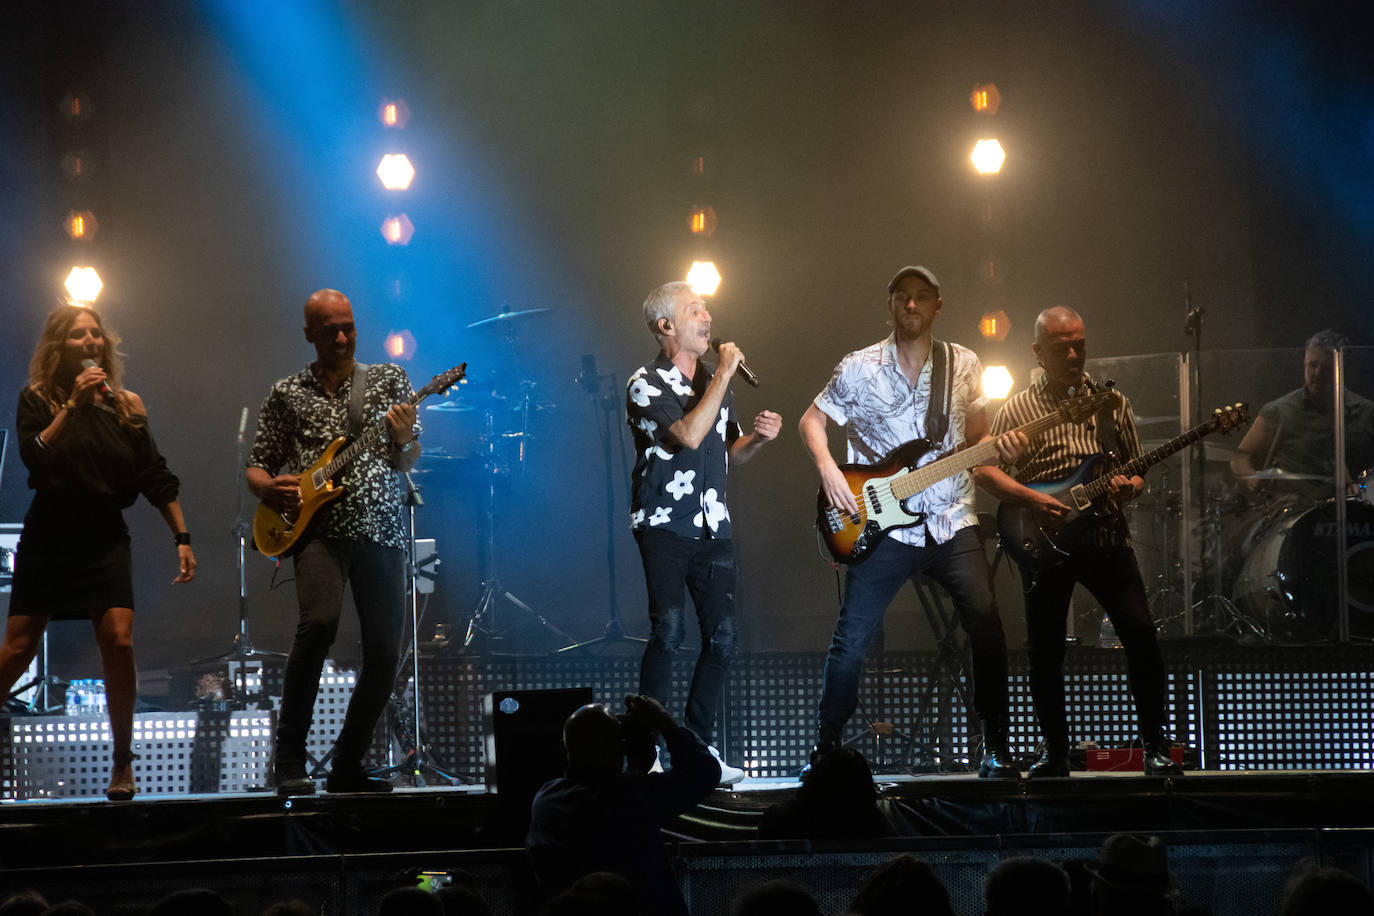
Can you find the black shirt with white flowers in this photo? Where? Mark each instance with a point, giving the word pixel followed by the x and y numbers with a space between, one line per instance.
pixel 297 422
pixel 672 487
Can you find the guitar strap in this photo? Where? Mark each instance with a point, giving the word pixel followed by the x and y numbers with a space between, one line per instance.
pixel 1108 434
pixel 941 389
pixel 355 399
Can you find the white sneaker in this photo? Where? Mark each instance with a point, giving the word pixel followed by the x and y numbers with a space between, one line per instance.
pixel 728 775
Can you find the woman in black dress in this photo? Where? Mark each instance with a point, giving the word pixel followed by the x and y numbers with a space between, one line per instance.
pixel 88 451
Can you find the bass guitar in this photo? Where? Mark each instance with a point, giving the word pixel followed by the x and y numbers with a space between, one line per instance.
pixel 274 532
pixel 880 489
pixel 1036 545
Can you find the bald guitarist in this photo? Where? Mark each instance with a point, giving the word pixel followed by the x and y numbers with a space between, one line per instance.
pixel 1101 557
pixel 357 540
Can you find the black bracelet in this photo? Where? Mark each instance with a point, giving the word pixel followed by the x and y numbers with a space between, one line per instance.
pixel 182 539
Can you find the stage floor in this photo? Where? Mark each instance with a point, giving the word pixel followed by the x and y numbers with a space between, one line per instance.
pixel 341 853
pixel 208 826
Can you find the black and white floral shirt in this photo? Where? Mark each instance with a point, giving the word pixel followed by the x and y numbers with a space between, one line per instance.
pixel 297 422
pixel 672 487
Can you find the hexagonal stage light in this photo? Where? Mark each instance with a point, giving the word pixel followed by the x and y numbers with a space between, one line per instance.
pixel 704 278
pixel 395 171
pixel 397 229
pixel 988 156
pixel 83 285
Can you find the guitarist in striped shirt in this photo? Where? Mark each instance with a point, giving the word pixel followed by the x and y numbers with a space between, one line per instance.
pixel 1101 559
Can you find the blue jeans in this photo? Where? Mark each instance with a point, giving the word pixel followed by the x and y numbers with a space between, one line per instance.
pixel 961 567
pixel 377 576
pixel 675 567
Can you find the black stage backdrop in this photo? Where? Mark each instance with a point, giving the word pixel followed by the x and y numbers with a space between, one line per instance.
pixel 1149 146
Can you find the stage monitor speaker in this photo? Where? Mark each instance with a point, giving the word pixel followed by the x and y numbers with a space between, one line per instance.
pixel 524 740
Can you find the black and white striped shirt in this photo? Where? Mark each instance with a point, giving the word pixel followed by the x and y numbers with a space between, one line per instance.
pixel 1054 455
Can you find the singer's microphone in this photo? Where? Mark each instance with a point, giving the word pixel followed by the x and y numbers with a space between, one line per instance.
pixel 742 370
pixel 104 388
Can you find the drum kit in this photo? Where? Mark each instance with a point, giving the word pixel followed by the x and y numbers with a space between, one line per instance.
pixel 1268 570
pixel 504 409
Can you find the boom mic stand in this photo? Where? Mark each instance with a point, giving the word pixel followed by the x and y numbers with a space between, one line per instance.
pixel 243 649
pixel 590 381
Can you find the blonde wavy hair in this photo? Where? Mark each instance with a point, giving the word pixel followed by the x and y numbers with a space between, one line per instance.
pixel 47 359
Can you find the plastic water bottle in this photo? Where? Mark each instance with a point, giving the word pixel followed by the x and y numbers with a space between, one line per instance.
pixel 86 697
pixel 76 690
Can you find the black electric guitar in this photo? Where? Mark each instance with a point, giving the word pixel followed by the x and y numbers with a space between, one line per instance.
pixel 880 488
pixel 274 533
pixel 1035 545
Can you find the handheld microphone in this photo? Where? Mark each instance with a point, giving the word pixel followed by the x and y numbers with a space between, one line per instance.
pixel 743 370
pixel 104 387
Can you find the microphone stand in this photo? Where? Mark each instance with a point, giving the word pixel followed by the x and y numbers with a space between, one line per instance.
pixel 243 648
pixel 417 759
pixel 590 381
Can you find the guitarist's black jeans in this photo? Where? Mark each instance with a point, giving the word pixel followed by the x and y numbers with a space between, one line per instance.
pixel 377 577
pixel 961 567
pixel 1110 573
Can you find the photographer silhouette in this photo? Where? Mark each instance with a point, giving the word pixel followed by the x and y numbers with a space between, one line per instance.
pixel 605 815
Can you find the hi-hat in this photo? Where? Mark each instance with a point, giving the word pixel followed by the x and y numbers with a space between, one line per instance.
pixel 465 401
pixel 507 317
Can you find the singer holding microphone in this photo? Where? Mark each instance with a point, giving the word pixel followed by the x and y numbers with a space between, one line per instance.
pixel 686 436
pixel 89 453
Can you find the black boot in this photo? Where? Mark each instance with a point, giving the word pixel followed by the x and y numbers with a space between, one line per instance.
pixel 1158 761
pixel 290 777
pixel 997 762
pixel 1053 761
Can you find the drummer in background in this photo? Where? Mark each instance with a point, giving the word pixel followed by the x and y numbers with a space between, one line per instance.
pixel 1294 434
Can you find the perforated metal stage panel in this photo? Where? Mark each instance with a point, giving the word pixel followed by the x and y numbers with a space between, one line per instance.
pixel 1278 710
pixel 178 752
pixel 1273 707
pixel 1246 708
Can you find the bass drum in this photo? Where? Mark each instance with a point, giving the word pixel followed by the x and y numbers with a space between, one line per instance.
pixel 1289 579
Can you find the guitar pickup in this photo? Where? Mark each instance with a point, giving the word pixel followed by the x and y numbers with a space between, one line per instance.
pixel 872 501
pixel 1079 495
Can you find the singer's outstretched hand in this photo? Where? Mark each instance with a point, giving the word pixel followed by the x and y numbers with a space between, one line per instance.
pixel 767 425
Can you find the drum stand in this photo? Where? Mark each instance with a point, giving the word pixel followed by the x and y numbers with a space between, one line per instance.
pixel 1228 619
pixel 483 620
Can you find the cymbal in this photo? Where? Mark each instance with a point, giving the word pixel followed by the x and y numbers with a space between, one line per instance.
pixel 1281 474
pixel 466 401
pixel 506 317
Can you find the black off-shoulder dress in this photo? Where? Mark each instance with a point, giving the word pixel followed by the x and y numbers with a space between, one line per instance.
pixel 73 556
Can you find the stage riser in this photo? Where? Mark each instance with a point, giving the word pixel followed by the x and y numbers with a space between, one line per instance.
pixel 1223 875
pixel 1243 708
